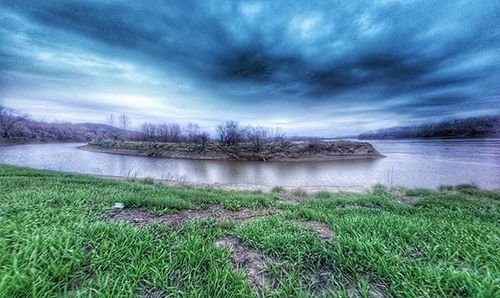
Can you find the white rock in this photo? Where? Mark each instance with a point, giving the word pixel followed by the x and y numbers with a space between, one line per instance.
pixel 118 206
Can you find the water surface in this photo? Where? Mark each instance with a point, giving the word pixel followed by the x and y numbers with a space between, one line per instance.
pixel 410 163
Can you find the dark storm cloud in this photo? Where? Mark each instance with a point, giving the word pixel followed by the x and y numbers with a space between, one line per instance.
pixel 417 57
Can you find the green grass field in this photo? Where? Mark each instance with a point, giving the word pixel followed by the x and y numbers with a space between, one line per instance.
pixel 56 241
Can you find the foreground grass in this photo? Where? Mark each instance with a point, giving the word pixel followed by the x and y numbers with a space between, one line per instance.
pixel 55 242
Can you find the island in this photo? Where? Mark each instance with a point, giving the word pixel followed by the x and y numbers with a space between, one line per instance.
pixel 281 151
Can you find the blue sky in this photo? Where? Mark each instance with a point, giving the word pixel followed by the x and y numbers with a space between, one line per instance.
pixel 312 67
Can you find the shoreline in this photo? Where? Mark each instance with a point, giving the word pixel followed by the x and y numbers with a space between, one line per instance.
pixel 5 144
pixel 215 156
pixel 200 185
pixel 236 187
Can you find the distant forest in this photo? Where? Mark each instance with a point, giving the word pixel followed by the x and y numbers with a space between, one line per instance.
pixel 478 127
pixel 18 128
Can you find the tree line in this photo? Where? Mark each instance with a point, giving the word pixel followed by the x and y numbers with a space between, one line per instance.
pixel 227 134
pixel 17 127
pixel 487 126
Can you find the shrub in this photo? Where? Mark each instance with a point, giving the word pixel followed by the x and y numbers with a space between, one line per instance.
pixel 466 186
pixel 229 133
pixel 323 195
pixel 418 192
pixel 299 192
pixel 445 187
pixel 277 190
pixel 379 189
pixel 148 180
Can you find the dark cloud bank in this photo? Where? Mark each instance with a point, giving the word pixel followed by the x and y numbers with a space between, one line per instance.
pixel 317 67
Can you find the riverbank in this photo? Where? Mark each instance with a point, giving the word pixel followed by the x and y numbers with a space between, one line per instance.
pixel 306 151
pixel 4 143
pixel 60 236
pixel 179 182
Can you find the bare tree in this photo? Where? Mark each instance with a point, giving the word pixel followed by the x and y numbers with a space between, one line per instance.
pixel 111 120
pixel 191 132
pixel 229 133
pixel 277 136
pixel 174 132
pixel 203 138
pixel 8 120
pixel 194 134
pixel 169 132
pixel 124 123
pixel 257 136
pixel 149 130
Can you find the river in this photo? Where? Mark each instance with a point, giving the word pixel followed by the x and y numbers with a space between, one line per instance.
pixel 408 163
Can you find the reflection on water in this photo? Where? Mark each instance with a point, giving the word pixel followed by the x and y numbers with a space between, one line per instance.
pixel 411 163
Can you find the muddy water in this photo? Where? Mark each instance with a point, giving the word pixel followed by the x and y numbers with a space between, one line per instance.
pixel 411 163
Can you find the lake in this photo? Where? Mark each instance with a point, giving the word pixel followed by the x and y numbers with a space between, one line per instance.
pixel 409 163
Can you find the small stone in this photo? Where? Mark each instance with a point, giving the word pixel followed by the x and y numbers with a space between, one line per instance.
pixel 118 206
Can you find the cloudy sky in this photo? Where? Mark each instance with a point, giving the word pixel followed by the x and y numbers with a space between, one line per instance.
pixel 312 67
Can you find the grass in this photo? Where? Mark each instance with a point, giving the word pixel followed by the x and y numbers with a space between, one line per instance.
pixel 54 241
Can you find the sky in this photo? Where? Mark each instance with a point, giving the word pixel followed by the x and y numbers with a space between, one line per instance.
pixel 322 68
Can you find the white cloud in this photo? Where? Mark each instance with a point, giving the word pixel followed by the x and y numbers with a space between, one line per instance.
pixel 251 9
pixel 307 27
pixel 367 25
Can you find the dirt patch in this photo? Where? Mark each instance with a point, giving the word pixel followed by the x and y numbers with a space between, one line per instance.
pixel 323 230
pixel 256 267
pixel 155 294
pixel 319 282
pixel 416 254
pixel 374 291
pixel 254 264
pixel 134 216
pixel 216 212
pixel 87 250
